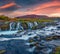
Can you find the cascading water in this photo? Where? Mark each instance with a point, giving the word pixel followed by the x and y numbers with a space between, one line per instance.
pixel 12 26
pixel 35 23
pixel 19 27
pixel 30 25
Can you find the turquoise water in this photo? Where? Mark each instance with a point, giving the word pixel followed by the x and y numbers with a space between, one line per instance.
pixel 18 43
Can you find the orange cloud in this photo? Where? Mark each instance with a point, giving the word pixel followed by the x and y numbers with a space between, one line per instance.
pixel 7 5
pixel 45 5
pixel 49 8
pixel 46 8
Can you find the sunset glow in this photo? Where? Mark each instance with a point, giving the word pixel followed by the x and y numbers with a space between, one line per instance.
pixel 15 8
pixel 55 15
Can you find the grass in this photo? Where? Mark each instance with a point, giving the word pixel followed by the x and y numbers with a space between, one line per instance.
pixel 28 20
pixel 32 20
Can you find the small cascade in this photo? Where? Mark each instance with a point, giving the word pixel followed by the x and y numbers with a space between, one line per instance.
pixel 30 25
pixel 12 26
pixel 35 23
pixel 19 27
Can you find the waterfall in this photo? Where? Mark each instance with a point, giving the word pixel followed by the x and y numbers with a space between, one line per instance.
pixel 35 23
pixel 19 27
pixel 30 25
pixel 12 26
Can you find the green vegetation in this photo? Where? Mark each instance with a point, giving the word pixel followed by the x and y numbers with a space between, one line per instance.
pixel 4 27
pixel 34 27
pixel 2 51
pixel 34 19
pixel 5 18
pixel 24 24
pixel 2 17
pixel 57 50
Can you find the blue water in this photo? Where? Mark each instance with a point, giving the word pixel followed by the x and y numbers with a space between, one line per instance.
pixel 14 47
pixel 17 44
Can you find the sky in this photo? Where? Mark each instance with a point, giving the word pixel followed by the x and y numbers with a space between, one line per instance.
pixel 14 8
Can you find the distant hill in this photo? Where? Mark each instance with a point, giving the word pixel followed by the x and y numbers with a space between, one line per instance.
pixel 33 16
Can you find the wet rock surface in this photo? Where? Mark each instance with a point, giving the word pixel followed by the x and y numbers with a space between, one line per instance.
pixel 38 41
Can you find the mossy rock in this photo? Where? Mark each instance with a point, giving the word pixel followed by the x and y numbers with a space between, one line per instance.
pixel 34 27
pixel 19 31
pixel 24 24
pixel 31 41
pixel 4 27
pixel 49 38
pixel 2 51
pixel 57 50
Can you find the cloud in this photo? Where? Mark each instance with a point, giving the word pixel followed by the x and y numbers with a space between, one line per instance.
pixel 46 5
pixel 7 5
pixel 27 3
pixel 46 8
